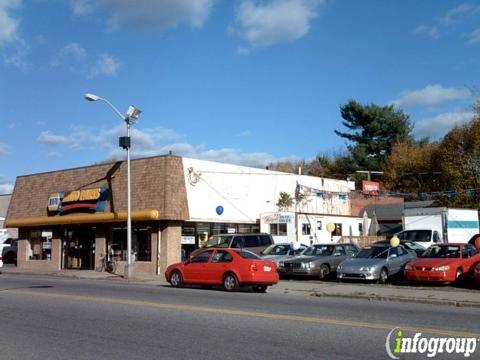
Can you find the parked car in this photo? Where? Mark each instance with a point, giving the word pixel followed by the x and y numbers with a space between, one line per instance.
pixel 475 241
pixel 476 274
pixel 9 253
pixel 443 263
pixel 231 268
pixel 319 261
pixel 281 252
pixel 377 262
pixel 409 245
pixel 252 242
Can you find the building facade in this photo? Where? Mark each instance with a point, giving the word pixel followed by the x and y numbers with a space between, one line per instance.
pixel 71 219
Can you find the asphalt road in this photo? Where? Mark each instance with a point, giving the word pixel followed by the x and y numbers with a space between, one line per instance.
pixel 58 318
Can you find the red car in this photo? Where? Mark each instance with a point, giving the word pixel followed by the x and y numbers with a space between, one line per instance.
pixel 230 268
pixel 476 274
pixel 443 263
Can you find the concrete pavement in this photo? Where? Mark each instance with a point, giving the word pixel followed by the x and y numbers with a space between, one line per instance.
pixel 437 295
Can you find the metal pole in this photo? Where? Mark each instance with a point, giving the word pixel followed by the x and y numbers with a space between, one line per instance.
pixel 128 270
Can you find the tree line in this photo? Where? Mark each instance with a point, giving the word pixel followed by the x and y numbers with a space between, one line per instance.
pixel 380 138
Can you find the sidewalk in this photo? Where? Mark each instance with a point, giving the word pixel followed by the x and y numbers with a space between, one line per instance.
pixel 446 295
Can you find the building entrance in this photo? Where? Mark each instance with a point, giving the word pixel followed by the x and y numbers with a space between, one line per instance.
pixel 78 248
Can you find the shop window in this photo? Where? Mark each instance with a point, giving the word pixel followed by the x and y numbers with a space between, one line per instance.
pixel 360 228
pixel 338 230
pixel 278 229
pixel 40 245
pixel 141 244
pixel 319 225
pixel 306 229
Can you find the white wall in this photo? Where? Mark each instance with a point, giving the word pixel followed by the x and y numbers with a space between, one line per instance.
pixel 246 192
pixel 318 223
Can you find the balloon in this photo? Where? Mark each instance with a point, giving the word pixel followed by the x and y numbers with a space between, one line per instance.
pixel 330 227
pixel 394 241
pixel 219 210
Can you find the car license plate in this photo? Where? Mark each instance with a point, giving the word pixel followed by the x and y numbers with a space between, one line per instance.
pixel 267 268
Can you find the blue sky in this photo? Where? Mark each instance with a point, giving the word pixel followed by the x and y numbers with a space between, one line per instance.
pixel 246 82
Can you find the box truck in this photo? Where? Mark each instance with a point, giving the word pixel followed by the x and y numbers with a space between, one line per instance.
pixel 439 224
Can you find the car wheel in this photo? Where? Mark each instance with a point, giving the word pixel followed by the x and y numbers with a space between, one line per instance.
pixel 458 275
pixel 383 277
pixel 230 282
pixel 259 288
pixel 176 279
pixel 324 272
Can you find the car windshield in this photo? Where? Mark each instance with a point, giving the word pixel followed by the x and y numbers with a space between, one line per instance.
pixel 319 250
pixel 371 252
pixel 219 241
pixel 247 254
pixel 442 252
pixel 277 250
pixel 412 245
pixel 416 235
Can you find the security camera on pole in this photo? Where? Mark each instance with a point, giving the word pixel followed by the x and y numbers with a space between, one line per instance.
pixel 124 142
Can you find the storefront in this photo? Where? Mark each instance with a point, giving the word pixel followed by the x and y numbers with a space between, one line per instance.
pixel 74 218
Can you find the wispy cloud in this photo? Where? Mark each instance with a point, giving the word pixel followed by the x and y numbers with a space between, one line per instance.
pixel 154 141
pixel 245 133
pixel 77 59
pixel 430 95
pixel 6 187
pixel 49 138
pixel 457 13
pixel 263 24
pixel 106 65
pixel 427 31
pixel 8 23
pixel 146 14
pixel 474 37
pixel 4 149
pixel 439 125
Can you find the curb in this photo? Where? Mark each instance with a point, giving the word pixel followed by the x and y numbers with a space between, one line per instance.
pixel 440 302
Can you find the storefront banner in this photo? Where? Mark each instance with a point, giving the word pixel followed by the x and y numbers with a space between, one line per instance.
pixel 85 200
pixel 277 219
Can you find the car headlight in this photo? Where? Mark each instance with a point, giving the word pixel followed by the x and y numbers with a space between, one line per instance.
pixel 281 264
pixel 441 268
pixel 366 268
pixel 339 267
pixel 408 267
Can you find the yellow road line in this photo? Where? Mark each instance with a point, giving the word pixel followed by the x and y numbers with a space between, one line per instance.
pixel 242 313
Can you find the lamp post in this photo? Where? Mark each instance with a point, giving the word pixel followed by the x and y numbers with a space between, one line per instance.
pixel 124 141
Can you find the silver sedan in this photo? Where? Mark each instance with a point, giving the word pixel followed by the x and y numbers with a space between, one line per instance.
pixel 377 262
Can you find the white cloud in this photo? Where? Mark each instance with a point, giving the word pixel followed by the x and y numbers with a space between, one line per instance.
pixel 276 21
pixel 75 50
pixel 106 65
pixel 455 14
pixel 4 149
pixel 427 31
pixel 8 24
pixel 49 138
pixel 151 142
pixel 245 133
pixel 82 7
pixel 146 14
pixel 439 125
pixel 17 56
pixel 430 95
pixel 5 186
pixel 474 37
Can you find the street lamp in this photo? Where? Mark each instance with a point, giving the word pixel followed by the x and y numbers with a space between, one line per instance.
pixel 130 118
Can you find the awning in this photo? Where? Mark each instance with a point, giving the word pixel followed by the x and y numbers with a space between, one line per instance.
pixel 138 215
